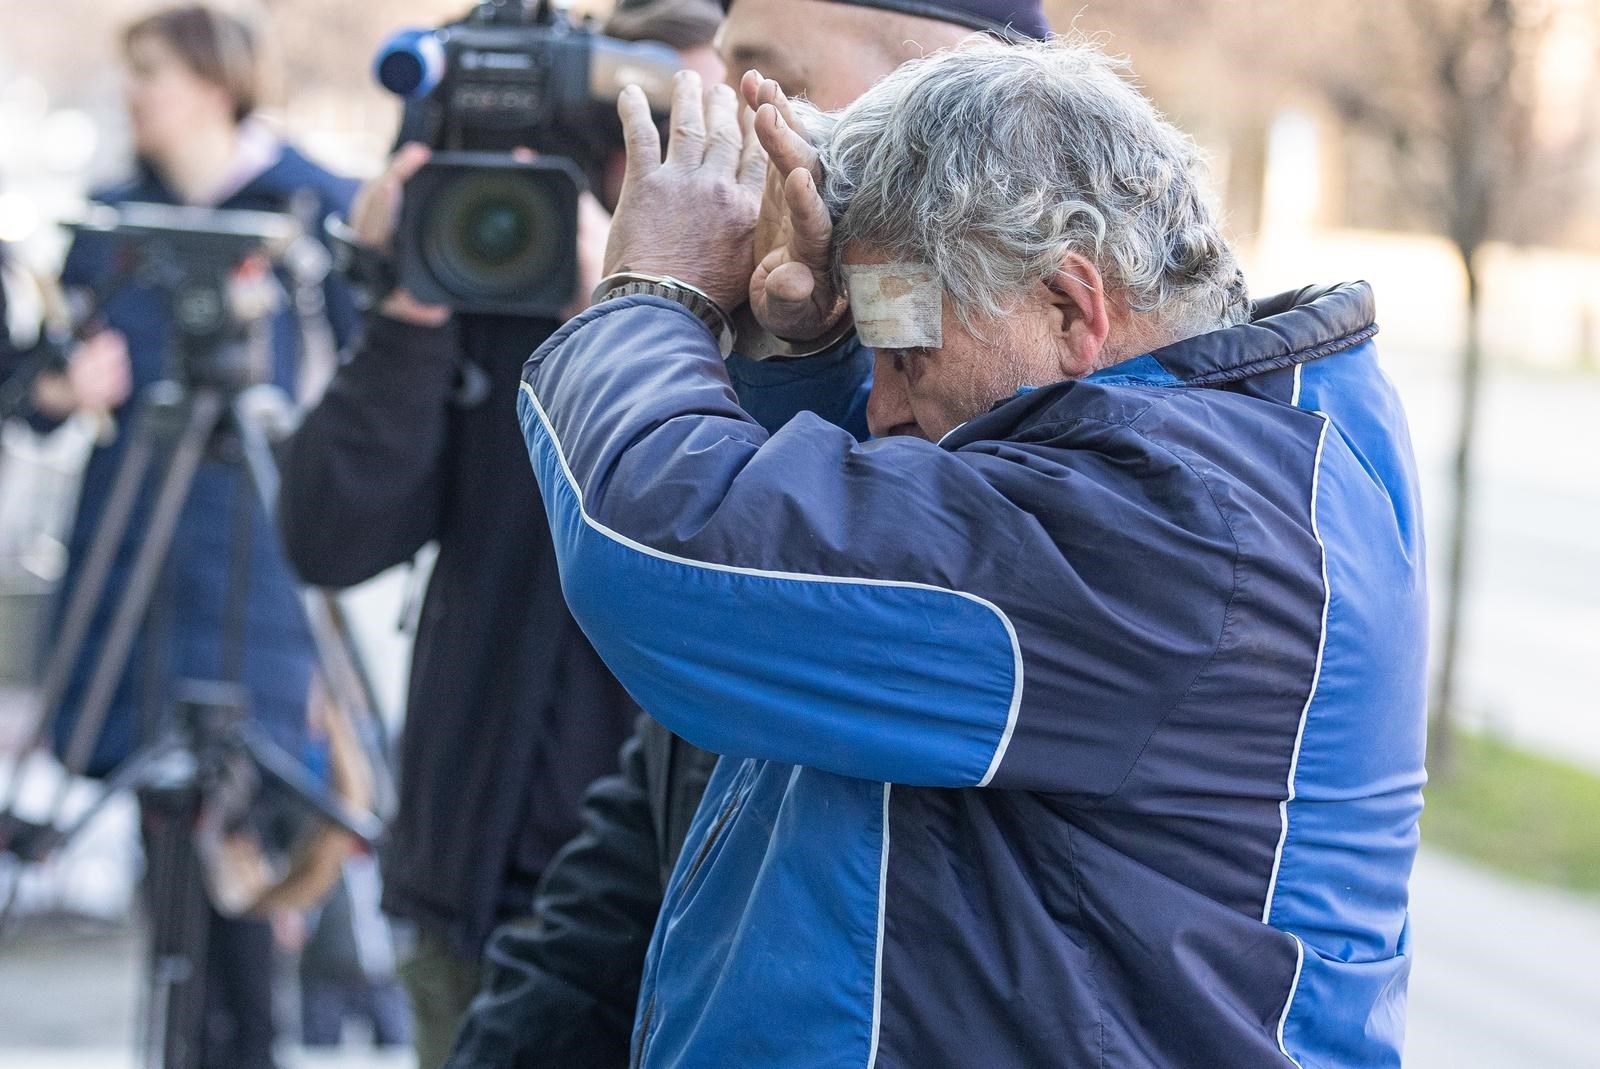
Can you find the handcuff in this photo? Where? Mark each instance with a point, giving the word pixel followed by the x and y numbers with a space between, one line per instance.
pixel 739 330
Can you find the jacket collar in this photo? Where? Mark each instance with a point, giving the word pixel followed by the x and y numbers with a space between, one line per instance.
pixel 286 173
pixel 1291 328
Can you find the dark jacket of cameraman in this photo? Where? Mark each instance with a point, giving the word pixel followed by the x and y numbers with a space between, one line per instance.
pixel 562 983
pixel 510 713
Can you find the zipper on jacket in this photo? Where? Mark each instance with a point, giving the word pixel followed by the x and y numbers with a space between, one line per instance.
pixel 713 834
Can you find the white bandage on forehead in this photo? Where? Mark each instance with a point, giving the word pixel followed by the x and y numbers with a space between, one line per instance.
pixel 896 306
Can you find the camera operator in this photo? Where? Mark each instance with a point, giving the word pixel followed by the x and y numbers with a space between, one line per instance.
pixel 193 78
pixel 510 712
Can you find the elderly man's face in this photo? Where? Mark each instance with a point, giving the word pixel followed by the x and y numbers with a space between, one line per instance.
pixel 1061 329
pixel 929 391
pixel 828 52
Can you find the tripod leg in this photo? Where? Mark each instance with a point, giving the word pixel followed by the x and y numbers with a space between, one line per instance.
pixel 179 927
pixel 236 613
pixel 204 415
pixel 347 682
pixel 86 596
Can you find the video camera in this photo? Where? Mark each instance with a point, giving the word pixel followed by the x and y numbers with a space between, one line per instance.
pixel 480 230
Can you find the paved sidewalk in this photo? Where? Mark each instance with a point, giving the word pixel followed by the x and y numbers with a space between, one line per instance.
pixel 116 1059
pixel 1503 980
pixel 1504 976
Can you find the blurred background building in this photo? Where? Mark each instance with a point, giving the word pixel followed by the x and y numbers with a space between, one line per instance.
pixel 1448 151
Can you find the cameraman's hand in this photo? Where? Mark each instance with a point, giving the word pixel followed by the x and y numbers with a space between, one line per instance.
pixel 791 291
pixel 594 230
pixel 373 217
pixel 694 215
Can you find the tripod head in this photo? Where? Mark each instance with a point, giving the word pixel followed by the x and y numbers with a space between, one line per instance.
pixel 214 269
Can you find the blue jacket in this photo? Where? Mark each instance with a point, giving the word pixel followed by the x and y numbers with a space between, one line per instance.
pixel 278 657
pixel 1091 736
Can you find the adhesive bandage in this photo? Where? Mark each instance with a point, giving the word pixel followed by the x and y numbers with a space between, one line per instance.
pixel 896 306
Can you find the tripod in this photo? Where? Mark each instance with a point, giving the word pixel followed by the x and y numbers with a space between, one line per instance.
pixel 184 768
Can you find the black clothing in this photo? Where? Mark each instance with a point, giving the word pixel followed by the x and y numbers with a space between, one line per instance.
pixel 510 714
pixel 562 988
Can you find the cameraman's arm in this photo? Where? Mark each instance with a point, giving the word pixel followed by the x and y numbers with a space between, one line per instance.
pixel 98 374
pixel 362 474
pixel 561 985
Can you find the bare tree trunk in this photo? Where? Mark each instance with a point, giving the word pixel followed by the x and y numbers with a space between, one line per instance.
pixel 1442 722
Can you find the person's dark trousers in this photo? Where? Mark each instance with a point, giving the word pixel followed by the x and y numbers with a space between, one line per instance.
pixel 390 1013
pixel 238 1026
pixel 239 968
pixel 325 1005
pixel 440 984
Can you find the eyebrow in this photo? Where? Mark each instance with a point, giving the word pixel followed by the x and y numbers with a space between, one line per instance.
pixel 769 61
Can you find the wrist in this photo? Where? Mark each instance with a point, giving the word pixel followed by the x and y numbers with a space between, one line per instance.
pixel 695 300
pixel 755 341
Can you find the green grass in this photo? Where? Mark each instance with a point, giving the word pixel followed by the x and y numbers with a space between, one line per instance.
pixel 1528 816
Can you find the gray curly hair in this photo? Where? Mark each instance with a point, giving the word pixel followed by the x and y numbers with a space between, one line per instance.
pixel 990 161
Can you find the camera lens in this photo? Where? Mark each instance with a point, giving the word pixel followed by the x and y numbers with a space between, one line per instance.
pixel 493 235
pixel 497 232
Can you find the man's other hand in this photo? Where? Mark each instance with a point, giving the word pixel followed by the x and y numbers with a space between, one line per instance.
pixel 692 215
pixel 791 291
pixel 375 214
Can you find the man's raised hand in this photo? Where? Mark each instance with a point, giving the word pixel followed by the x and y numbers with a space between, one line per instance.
pixel 691 215
pixel 791 290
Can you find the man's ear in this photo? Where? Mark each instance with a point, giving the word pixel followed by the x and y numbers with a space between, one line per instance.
pixel 1080 315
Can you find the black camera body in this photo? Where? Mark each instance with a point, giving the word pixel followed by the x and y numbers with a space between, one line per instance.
pixel 483 231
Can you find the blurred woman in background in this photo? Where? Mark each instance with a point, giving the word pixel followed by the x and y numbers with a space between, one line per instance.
pixel 193 83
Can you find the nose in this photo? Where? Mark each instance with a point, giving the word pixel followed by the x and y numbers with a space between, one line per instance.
pixel 889 403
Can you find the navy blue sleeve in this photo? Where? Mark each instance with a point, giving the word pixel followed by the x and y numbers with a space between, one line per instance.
pixel 894 611
pixel 86 261
pixel 834 385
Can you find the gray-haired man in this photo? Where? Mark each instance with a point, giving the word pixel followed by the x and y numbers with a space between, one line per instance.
pixel 1079 720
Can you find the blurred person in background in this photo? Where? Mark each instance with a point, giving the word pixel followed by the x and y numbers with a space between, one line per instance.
pixel 194 76
pixel 510 714
pixel 346 965
pixel 562 984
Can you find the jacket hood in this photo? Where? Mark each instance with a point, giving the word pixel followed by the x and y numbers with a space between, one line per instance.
pixel 1290 328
